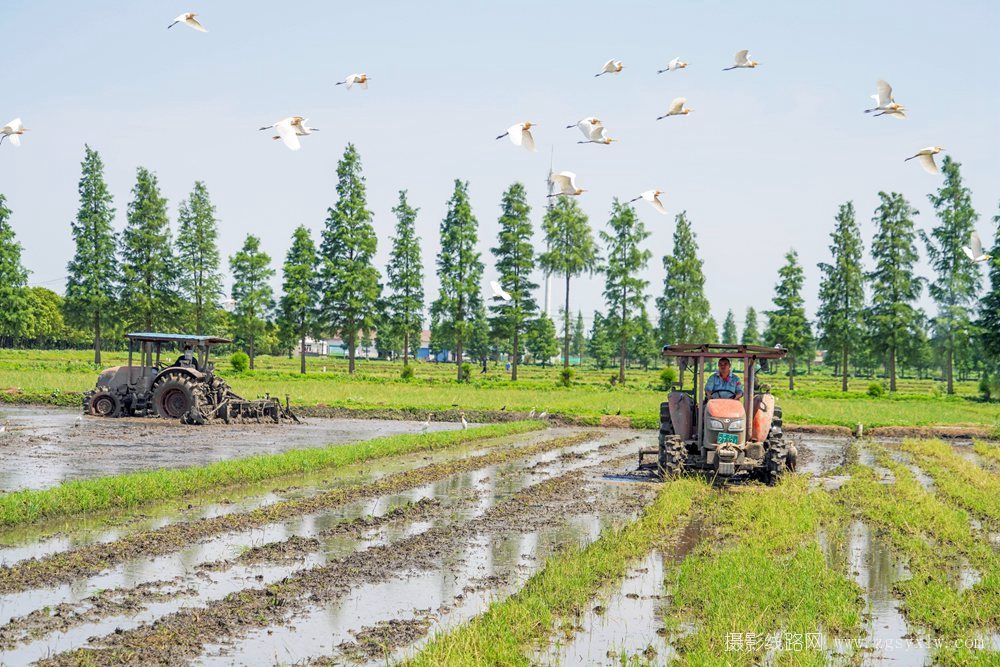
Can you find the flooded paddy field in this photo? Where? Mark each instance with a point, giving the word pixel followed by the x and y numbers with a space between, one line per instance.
pixel 389 560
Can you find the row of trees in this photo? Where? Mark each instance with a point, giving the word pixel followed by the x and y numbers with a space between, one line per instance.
pixel 143 278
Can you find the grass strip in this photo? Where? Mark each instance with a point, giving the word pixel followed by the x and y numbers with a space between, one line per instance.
pixel 988 450
pixel 963 482
pixel 760 575
pixel 134 489
pixel 90 559
pixel 571 578
pixel 934 538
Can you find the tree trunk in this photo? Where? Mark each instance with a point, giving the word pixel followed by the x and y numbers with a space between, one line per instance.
pixel 949 370
pixel 351 344
pixel 892 367
pixel 458 355
pixel 513 364
pixel 251 352
pixel 624 340
pixel 566 328
pixel 97 338
pixel 406 347
pixel 791 373
pixel 302 355
pixel 843 363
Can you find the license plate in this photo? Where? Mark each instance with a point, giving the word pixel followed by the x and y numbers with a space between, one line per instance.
pixel 727 439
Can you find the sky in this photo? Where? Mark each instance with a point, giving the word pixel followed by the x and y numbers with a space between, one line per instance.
pixel 760 166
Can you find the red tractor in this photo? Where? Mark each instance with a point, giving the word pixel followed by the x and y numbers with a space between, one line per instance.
pixel 713 433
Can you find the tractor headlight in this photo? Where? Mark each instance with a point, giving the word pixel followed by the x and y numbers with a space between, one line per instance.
pixel 716 425
pixel 736 425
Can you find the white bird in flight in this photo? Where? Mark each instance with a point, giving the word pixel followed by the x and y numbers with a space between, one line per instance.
pixel 599 136
pixel 926 157
pixel 673 66
pixel 499 293
pixel 885 105
pixel 653 197
pixel 520 135
pixel 676 108
pixel 290 129
pixel 566 182
pixel 589 127
pixel 975 252
pixel 742 61
pixel 360 78
pixel 611 67
pixel 188 18
pixel 14 129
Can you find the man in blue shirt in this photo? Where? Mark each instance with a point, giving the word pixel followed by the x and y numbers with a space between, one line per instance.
pixel 723 383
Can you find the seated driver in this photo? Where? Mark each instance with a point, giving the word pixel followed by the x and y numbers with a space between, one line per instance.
pixel 723 383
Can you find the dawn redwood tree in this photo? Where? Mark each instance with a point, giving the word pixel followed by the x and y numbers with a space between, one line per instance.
pixel 541 339
pixel 958 280
pixel 91 283
pixel 571 249
pixel 787 324
pixel 406 279
pixel 515 262
pixel 460 273
pixel 683 308
pixel 350 282
pixel 751 329
pixel 148 298
pixel 199 281
pixel 729 335
pixel 989 320
pixel 840 317
pixel 297 306
pixel 579 343
pixel 14 314
pixel 252 273
pixel 624 290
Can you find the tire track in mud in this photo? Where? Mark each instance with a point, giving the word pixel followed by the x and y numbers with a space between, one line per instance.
pixel 183 635
pixel 91 559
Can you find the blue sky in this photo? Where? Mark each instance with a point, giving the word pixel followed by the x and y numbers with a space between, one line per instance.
pixel 760 166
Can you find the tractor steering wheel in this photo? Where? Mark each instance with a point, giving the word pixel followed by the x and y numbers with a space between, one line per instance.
pixel 732 394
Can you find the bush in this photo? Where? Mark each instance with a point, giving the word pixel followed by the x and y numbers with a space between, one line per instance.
pixel 407 372
pixel 566 377
pixel 466 372
pixel 875 389
pixel 668 378
pixel 240 362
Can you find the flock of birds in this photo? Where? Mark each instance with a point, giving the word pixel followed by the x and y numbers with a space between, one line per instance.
pixel 289 130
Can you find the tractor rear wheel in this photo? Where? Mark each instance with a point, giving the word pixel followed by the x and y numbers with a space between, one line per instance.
pixel 780 455
pixel 104 404
pixel 672 456
pixel 173 397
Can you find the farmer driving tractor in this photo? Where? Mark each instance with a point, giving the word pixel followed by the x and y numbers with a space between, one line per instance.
pixel 723 383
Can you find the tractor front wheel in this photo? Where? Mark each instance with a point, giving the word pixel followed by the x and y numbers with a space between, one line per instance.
pixel 104 404
pixel 174 397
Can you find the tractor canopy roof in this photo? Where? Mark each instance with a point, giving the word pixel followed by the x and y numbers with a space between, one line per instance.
pixel 715 351
pixel 183 339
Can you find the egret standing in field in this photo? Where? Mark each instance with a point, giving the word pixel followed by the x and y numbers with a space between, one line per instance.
pixel 465 424
pixel 188 19
pixel 290 129
pixel 975 251
pixel 653 197
pixel 926 157
pixel 676 108
pixel 424 426
pixel 520 135
pixel 885 105
pixel 673 66
pixel 360 78
pixel 611 67
pixel 14 129
pixel 565 181
pixel 742 61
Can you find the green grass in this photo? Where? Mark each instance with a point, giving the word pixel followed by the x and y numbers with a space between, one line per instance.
pixel 505 633
pixel 760 569
pixel 134 489
pixel 58 377
pixel 990 451
pixel 965 483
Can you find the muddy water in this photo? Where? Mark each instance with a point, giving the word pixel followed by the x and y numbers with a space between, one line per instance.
pixel 46 446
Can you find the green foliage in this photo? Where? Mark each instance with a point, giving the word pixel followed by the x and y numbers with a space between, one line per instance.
pixel 624 290
pixel 454 314
pixel 989 320
pixel 515 262
pixel 751 329
pixel 566 375
pixel 14 313
pixel 407 373
pixel 668 378
pixel 570 250
pixel 93 272
pixel 252 272
pixel 297 307
pixel 240 362
pixel 579 341
pixel 875 389
pixel 683 308
pixel 541 339
pixel 465 372
pixel 729 335
pixel 45 323
pixel 199 280
pixel 148 299
pixel 644 346
pixel 787 324
pixel 405 304
pixel 350 282
pixel 600 345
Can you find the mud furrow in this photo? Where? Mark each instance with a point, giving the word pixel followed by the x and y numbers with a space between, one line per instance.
pixel 181 636
pixel 91 559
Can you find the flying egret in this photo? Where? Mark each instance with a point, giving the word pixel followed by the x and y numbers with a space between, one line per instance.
pixel 611 67
pixel 499 293
pixel 290 129
pixel 676 108
pixel 926 156
pixel 465 424
pixel 742 61
pixel 566 182
pixel 14 129
pixel 520 135
pixel 589 127
pixel 975 252
pixel 598 136
pixel 361 79
pixel 653 197
pixel 885 105
pixel 673 66
pixel 188 19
